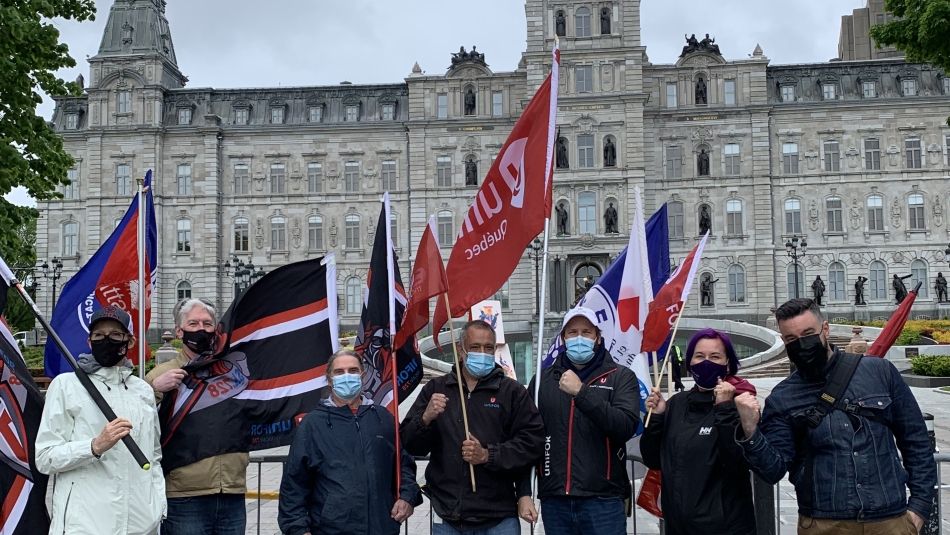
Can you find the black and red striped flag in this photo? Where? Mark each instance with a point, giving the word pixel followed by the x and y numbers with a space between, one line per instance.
pixel 22 486
pixel 277 337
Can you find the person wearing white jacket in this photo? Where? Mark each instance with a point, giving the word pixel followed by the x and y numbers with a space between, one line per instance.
pixel 98 488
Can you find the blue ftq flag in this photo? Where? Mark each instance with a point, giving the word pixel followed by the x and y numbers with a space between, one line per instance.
pixel 110 277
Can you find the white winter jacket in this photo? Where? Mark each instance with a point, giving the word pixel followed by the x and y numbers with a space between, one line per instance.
pixel 111 495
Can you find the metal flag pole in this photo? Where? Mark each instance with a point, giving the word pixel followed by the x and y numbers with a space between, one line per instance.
pixel 84 380
pixel 143 298
pixel 458 376
pixel 391 301
pixel 541 307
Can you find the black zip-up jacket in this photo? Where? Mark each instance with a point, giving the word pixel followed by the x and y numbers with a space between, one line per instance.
pixel 502 416
pixel 706 485
pixel 585 435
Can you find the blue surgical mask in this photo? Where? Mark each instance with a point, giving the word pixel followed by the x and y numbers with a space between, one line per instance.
pixel 347 386
pixel 479 364
pixel 579 349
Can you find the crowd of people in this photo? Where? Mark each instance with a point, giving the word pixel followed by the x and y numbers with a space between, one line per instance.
pixel 846 429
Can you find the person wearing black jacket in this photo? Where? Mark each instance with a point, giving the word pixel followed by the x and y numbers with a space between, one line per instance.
pixel 590 409
pixel 339 476
pixel 505 440
pixel 706 486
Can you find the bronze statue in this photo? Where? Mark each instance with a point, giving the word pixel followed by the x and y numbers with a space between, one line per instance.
pixel 706 289
pixel 610 153
pixel 561 220
pixel 471 172
pixel 692 45
pixel 819 288
pixel 710 45
pixel 469 101
pixel 941 287
pixel 561 154
pixel 702 163
pixel 610 220
pixel 700 91
pixel 605 21
pixel 900 291
pixel 560 24
pixel 859 290
pixel 705 220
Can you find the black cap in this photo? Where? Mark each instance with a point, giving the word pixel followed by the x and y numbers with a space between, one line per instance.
pixel 114 313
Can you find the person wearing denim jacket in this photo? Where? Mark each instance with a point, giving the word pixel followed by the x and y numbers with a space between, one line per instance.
pixel 851 473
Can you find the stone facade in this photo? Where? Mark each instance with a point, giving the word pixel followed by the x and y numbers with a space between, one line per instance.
pixel 852 156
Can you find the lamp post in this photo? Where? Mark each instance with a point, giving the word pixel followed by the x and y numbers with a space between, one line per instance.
pixel 244 275
pixel 534 252
pixel 52 270
pixel 796 248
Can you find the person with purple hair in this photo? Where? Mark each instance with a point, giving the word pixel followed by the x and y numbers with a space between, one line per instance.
pixel 690 439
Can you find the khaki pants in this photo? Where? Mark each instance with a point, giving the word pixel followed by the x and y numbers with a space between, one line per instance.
pixel 899 525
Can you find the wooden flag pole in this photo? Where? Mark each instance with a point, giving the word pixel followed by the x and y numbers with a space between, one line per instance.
pixel 393 350
pixel 665 361
pixel 458 376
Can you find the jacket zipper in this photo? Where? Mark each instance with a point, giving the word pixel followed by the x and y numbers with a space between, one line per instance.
pixel 607 440
pixel 570 439
pixel 66 506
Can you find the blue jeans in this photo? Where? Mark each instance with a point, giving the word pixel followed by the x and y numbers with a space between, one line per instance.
pixel 575 516
pixel 213 514
pixel 508 526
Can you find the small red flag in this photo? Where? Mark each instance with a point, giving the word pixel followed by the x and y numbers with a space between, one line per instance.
pixel 668 302
pixel 428 281
pixel 895 324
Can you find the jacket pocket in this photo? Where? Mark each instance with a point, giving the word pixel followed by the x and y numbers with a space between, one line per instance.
pixel 69 495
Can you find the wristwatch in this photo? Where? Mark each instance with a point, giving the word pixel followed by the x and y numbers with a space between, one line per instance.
pixel 93 450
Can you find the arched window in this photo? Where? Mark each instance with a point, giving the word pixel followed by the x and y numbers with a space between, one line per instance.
pixel 183 236
pixel 315 233
pixel 352 230
pixel 242 234
pixel 587 212
pixel 183 290
pixel 918 273
pixel 582 22
pixel 793 216
pixel 734 217
pixel 278 233
pixel 877 283
pixel 795 290
pixel 736 284
pixel 70 238
pixel 354 295
pixel 446 228
pixel 837 291
pixel 585 276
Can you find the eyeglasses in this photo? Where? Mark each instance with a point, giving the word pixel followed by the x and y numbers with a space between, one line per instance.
pixel 114 336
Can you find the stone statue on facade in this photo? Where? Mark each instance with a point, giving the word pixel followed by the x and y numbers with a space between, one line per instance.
pixel 561 154
pixel 709 45
pixel 859 290
pixel 818 287
pixel 470 101
pixel 940 285
pixel 560 24
pixel 900 290
pixel 605 21
pixel 81 82
pixel 702 163
pixel 462 56
pixel 561 220
pixel 706 290
pixel 610 153
pixel 692 45
pixel 705 220
pixel 471 172
pixel 610 220
pixel 700 91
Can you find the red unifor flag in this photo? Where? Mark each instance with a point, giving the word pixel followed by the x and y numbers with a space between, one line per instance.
pixel 668 302
pixel 510 208
pixel 428 281
pixel 895 324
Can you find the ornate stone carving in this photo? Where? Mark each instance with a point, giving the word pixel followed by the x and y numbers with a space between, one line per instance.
pixel 813 219
pixel 853 157
pixel 259 233
pixel 938 211
pixel 897 212
pixel 333 233
pixel 701 135
pixel 854 213
pixel 607 77
pixel 811 160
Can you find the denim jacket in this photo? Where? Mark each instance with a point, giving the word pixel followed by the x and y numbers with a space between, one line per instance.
pixel 854 470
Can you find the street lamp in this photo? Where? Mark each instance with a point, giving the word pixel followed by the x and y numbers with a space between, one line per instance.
pixel 244 275
pixel 796 248
pixel 535 252
pixel 54 271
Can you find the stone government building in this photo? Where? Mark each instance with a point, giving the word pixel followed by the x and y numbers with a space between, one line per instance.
pixel 850 155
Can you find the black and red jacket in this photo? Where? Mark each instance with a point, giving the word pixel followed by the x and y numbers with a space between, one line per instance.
pixel 585 439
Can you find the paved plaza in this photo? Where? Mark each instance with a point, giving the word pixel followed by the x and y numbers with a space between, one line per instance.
pixel 262 516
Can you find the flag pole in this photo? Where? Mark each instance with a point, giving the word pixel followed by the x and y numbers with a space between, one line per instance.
pixel 143 299
pixel 541 307
pixel 458 376
pixel 390 273
pixel 666 360
pixel 81 375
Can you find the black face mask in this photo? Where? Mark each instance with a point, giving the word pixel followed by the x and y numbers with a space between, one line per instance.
pixel 810 356
pixel 108 352
pixel 199 342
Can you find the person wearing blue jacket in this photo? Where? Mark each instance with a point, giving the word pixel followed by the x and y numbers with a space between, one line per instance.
pixel 340 474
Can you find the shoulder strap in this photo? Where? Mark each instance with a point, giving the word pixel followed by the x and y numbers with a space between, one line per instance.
pixel 830 397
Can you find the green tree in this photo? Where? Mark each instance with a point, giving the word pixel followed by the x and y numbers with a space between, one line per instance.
pixel 17 247
pixel 31 154
pixel 921 30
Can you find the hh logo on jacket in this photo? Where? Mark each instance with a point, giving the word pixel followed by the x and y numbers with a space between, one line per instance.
pixel 705 431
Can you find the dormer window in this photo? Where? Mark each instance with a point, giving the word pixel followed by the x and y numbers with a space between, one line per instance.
pixel 352 113
pixel 946 85
pixel 909 87
pixel 184 116
pixel 788 93
pixel 829 91
pixel 389 111
pixel 240 115
pixel 72 121
pixel 124 102
pixel 869 89
pixel 277 115
pixel 315 114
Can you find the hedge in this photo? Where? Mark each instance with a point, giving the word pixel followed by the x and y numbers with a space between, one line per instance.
pixel 931 365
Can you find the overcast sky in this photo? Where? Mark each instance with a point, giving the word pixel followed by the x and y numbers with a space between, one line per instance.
pixel 249 43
